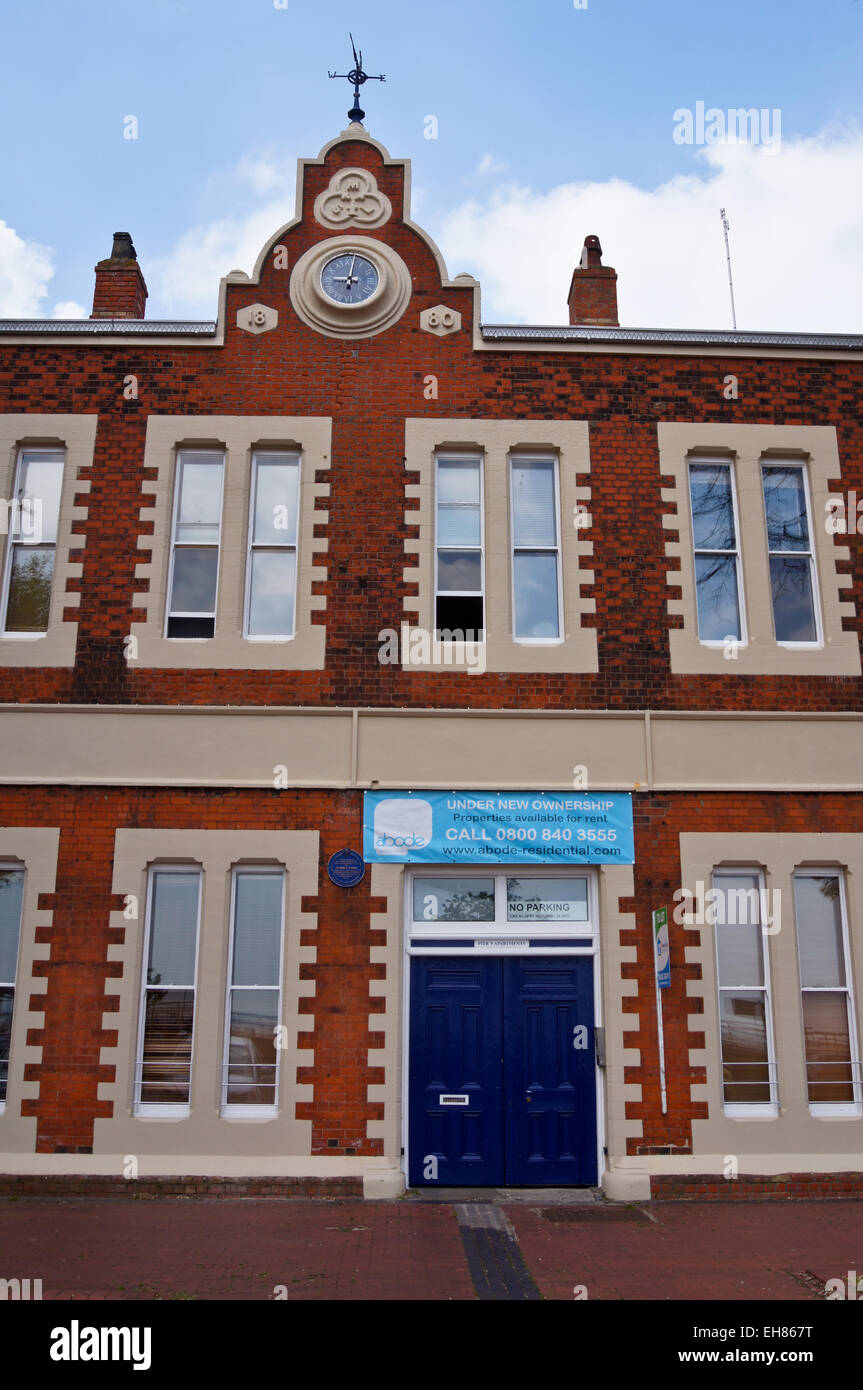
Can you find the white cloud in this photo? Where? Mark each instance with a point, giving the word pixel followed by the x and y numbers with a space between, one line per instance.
pixel 25 271
pixel 796 220
pixel 69 309
pixel 185 281
pixel 489 165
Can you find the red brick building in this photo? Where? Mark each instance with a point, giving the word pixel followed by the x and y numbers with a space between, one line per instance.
pixel 348 556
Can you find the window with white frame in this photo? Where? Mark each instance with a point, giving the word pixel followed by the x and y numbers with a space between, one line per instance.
pixel 459 569
pixel 11 899
pixel 535 549
pixel 33 515
pixel 718 579
pixel 474 903
pixel 194 566
pixel 250 1075
pixel 167 1022
pixel 829 1027
pixel 793 583
pixel 271 575
pixel 743 975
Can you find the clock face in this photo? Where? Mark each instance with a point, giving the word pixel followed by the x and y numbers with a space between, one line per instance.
pixel 349 278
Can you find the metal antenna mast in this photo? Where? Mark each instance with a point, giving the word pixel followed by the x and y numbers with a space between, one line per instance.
pixel 358 77
pixel 728 259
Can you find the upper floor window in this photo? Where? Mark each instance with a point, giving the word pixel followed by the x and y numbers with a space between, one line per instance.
pixel 11 898
pixel 197 530
pixel 718 581
pixel 33 516
pixel 792 563
pixel 459 567
pixel 271 579
pixel 536 578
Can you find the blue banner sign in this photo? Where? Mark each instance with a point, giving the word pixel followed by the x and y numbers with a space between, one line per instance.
pixel 498 828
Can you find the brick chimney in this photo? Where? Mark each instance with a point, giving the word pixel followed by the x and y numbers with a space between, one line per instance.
pixel 593 292
pixel 120 289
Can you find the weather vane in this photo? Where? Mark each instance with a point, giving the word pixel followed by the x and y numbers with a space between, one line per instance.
pixel 358 77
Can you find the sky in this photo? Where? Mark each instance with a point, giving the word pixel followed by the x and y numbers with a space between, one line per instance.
pixel 553 119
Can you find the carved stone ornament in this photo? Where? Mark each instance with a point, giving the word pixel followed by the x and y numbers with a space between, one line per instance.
pixel 257 318
pixel 353 199
pixel 440 320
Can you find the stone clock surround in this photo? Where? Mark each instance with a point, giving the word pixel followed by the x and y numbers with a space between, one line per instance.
pixel 380 311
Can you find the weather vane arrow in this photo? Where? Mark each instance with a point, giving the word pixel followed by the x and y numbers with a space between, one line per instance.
pixel 358 77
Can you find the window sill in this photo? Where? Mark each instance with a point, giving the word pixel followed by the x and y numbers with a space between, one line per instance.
pixel 751 1112
pixel 162 1112
pixel 249 1112
pixel 852 1111
pixel 23 636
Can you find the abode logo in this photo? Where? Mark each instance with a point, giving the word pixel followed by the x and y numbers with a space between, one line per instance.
pixel 402 825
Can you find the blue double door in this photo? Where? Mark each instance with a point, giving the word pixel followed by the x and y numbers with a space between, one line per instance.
pixel 502 1072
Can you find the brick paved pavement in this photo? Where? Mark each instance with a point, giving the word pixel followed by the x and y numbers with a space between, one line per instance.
pixel 350 1250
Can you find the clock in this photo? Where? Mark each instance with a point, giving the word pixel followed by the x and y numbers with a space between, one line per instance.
pixel 349 278
pixel 350 286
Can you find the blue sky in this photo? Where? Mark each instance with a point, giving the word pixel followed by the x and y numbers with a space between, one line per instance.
pixel 547 115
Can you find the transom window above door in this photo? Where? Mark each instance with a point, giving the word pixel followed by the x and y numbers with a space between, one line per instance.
pixel 480 903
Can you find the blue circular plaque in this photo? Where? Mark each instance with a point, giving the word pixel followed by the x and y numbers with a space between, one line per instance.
pixel 346 868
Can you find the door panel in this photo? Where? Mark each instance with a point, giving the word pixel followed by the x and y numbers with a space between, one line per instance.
pixel 455 1051
pixel 511 1042
pixel 549 1072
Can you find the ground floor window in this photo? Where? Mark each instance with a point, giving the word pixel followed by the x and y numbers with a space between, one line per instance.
pixel 829 1028
pixel 11 898
pixel 474 902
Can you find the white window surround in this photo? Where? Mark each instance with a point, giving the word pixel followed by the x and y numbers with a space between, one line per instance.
pixel 496 441
pixel 815 448
pixel 234 1110
pixel 751 1110
pixel 239 437
pixel 796 1135
pixel 76 436
pixel 853 1108
pixel 205 1132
